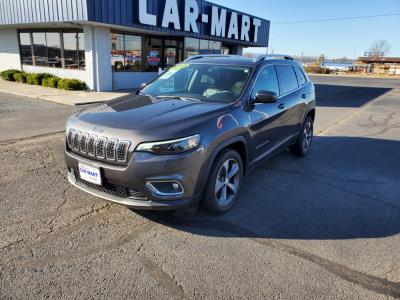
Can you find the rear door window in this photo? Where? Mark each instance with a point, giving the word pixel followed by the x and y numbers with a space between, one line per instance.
pixel 300 76
pixel 287 78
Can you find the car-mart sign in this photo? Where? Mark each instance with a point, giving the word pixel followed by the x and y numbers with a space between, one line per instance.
pixel 201 17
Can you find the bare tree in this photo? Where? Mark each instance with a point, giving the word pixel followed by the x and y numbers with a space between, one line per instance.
pixel 379 48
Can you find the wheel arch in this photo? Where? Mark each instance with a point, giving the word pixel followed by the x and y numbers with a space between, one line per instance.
pixel 239 144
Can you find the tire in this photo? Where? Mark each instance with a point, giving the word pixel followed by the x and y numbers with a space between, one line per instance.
pixel 218 185
pixel 304 141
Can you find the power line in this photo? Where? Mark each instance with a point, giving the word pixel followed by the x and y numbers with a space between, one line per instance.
pixel 337 19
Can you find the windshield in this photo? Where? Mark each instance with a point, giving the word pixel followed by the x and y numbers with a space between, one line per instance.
pixel 208 83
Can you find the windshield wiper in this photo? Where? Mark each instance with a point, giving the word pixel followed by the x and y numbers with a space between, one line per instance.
pixel 177 97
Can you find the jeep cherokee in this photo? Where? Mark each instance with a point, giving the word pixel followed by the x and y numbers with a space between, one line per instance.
pixel 191 135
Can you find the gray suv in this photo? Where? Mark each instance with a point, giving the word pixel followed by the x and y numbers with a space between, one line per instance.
pixel 191 135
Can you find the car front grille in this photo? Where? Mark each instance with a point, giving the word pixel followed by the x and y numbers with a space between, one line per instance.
pixel 101 148
pixel 114 190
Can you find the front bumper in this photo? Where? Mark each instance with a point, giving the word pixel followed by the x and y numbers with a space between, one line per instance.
pixel 143 167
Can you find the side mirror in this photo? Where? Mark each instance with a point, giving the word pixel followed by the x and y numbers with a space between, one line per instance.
pixel 143 85
pixel 266 97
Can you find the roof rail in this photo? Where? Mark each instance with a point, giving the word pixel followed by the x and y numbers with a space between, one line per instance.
pixel 273 56
pixel 200 56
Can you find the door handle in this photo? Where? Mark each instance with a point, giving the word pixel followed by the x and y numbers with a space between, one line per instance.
pixel 304 96
pixel 282 106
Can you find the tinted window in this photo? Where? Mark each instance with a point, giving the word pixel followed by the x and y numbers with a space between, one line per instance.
pixel 73 43
pixel 39 47
pixel 266 81
pixel 54 49
pixel 300 76
pixel 287 78
pixel 26 49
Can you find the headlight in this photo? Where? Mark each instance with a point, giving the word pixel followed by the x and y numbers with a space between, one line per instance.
pixel 171 147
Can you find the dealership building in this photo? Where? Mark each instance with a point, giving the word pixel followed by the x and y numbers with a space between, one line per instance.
pixel 119 44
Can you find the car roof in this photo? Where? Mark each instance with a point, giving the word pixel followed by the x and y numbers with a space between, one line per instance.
pixel 236 60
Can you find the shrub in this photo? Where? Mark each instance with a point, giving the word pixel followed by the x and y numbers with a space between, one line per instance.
pixel 20 77
pixel 72 85
pixel 315 69
pixel 51 82
pixel 37 78
pixel 9 74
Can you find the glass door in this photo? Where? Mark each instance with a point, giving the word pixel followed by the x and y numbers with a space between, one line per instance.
pixel 170 57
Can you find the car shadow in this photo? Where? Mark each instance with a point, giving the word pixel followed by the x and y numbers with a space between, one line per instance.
pixel 346 188
pixel 346 96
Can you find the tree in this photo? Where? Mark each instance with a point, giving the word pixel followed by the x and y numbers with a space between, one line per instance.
pixel 379 48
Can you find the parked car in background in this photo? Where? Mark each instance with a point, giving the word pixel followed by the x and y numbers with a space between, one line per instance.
pixel 191 135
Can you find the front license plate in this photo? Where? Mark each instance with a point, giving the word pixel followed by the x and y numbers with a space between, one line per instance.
pixel 90 174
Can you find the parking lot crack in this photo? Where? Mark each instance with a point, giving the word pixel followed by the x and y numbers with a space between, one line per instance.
pixel 369 282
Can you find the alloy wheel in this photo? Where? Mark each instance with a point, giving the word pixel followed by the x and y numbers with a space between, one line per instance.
pixel 307 136
pixel 227 183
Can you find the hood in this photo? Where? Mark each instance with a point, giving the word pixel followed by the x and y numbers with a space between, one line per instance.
pixel 146 116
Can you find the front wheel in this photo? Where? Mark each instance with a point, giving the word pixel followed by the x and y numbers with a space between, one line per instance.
pixel 224 183
pixel 304 141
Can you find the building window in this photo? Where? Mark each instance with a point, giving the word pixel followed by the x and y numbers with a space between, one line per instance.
pixel 39 49
pixel 48 51
pixel 126 53
pixel 26 48
pixel 191 47
pixel 196 46
pixel 73 50
pixel 53 40
pixel 215 47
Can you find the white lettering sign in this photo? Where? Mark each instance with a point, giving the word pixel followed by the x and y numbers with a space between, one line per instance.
pixel 233 27
pixel 171 14
pixel 144 17
pixel 191 16
pixel 218 22
pixel 222 23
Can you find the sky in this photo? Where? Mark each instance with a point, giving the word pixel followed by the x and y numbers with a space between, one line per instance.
pixel 335 39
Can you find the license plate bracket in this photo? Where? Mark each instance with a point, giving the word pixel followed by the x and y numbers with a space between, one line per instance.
pixel 90 174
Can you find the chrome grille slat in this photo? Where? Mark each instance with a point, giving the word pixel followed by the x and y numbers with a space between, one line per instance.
pixel 101 148
pixel 70 137
pixel 91 145
pixel 122 151
pixel 83 138
pixel 110 149
pixel 75 140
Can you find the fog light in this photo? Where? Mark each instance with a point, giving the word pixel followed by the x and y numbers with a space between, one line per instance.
pixel 165 188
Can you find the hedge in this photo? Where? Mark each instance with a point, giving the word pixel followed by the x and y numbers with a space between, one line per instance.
pixel 72 85
pixel 314 69
pixel 20 77
pixel 37 78
pixel 44 79
pixel 9 74
pixel 51 82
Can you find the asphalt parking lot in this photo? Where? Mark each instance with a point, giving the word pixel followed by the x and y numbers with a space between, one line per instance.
pixel 326 226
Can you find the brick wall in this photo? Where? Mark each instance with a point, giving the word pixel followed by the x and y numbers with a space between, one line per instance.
pixel 9 50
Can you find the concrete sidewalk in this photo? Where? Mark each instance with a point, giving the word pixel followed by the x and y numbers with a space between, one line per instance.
pixel 56 95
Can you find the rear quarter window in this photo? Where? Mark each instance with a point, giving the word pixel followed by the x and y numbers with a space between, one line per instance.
pixel 287 78
pixel 300 76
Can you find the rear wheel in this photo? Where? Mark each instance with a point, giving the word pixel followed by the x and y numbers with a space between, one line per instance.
pixel 224 183
pixel 304 141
